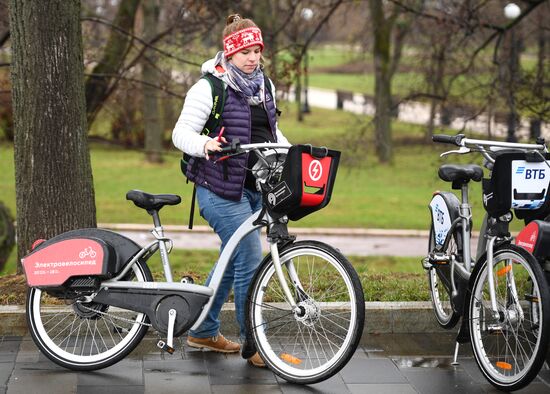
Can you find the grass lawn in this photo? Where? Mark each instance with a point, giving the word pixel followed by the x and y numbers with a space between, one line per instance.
pixel 369 195
pixel 383 278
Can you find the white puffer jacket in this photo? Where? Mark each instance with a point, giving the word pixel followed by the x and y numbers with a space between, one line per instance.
pixel 186 135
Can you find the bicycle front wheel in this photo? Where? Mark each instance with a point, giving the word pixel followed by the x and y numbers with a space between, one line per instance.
pixel 313 342
pixel 510 348
pixel 85 336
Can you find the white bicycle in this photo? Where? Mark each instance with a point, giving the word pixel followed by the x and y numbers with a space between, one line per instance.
pixel 305 310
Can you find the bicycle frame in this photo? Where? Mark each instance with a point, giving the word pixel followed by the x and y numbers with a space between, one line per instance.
pixel 211 290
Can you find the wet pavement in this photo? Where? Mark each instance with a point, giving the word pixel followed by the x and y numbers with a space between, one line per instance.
pixel 387 363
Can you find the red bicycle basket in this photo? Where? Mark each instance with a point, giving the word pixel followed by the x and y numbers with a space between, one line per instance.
pixel 306 182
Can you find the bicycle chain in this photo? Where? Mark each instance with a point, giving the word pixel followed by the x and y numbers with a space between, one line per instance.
pixel 116 317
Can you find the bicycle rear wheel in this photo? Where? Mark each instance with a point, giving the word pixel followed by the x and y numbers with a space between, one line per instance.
pixel 440 285
pixel 314 342
pixel 85 336
pixel 510 349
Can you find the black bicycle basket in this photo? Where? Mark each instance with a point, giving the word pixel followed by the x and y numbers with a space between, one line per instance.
pixel 519 181
pixel 306 182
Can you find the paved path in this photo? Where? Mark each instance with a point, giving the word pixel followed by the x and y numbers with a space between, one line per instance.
pixel 387 364
pixel 358 242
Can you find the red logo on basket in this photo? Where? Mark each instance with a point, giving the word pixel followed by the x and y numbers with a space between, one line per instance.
pixel 55 263
pixel 315 170
pixel 315 174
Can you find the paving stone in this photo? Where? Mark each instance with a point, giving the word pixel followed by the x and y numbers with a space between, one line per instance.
pixel 113 390
pixel 437 381
pixel 124 373
pixel 470 366
pixel 42 378
pixel 28 352
pixel 9 346
pixel 176 376
pixel 372 370
pixel 389 388
pixel 246 389
pixel 232 369
pixel 177 383
pixel 334 385
pixel 5 372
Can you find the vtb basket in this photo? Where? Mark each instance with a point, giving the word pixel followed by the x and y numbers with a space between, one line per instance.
pixel 519 181
pixel 306 182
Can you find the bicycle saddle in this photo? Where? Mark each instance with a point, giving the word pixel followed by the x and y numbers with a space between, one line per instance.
pixel 152 202
pixel 460 173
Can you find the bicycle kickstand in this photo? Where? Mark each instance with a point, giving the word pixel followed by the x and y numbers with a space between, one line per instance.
pixel 455 358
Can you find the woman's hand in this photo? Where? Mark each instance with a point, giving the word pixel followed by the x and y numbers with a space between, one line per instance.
pixel 213 145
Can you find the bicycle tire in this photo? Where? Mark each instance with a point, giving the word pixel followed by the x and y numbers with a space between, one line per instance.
pixel 85 337
pixel 440 287
pixel 333 313
pixel 510 350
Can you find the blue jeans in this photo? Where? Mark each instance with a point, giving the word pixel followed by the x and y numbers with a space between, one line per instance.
pixel 225 216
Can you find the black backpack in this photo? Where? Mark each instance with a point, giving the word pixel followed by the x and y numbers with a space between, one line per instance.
pixel 219 94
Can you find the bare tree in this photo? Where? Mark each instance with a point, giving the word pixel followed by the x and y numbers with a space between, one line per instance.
pixel 389 31
pixel 54 188
pixel 100 83
pixel 150 75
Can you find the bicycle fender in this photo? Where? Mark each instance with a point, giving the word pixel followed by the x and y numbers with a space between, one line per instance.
pixel 444 210
pixel 124 248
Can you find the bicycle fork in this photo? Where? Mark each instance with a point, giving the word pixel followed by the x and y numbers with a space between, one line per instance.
pixel 274 249
pixel 511 284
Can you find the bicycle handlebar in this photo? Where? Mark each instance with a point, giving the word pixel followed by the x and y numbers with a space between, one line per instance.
pixel 448 139
pixel 486 147
pixel 235 147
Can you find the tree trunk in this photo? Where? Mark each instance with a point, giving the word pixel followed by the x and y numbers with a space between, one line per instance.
pixel 150 75
pixel 382 90
pixel 7 234
pixel 100 84
pixel 53 175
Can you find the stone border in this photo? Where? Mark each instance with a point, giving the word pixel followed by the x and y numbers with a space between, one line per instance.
pixel 380 318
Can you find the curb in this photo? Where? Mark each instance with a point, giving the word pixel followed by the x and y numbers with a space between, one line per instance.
pixel 380 318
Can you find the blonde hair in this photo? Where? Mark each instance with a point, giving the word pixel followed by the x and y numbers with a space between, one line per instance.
pixel 236 22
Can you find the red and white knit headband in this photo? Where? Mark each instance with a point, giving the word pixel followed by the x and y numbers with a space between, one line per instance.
pixel 242 39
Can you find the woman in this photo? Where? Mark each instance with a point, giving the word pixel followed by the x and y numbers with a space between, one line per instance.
pixel 226 193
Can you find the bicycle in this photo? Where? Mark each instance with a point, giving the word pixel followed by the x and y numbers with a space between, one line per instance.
pixel 501 295
pixel 305 311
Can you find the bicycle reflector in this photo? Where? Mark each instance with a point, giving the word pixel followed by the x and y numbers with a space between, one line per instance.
pixel 290 359
pixel 504 365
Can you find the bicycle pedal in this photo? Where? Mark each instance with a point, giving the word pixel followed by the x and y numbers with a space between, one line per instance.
pixel 438 259
pixel 164 346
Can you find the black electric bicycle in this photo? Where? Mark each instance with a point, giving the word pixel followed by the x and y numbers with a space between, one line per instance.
pixel 501 295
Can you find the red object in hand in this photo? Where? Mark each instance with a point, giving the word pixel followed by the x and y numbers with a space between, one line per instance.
pixel 220 134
